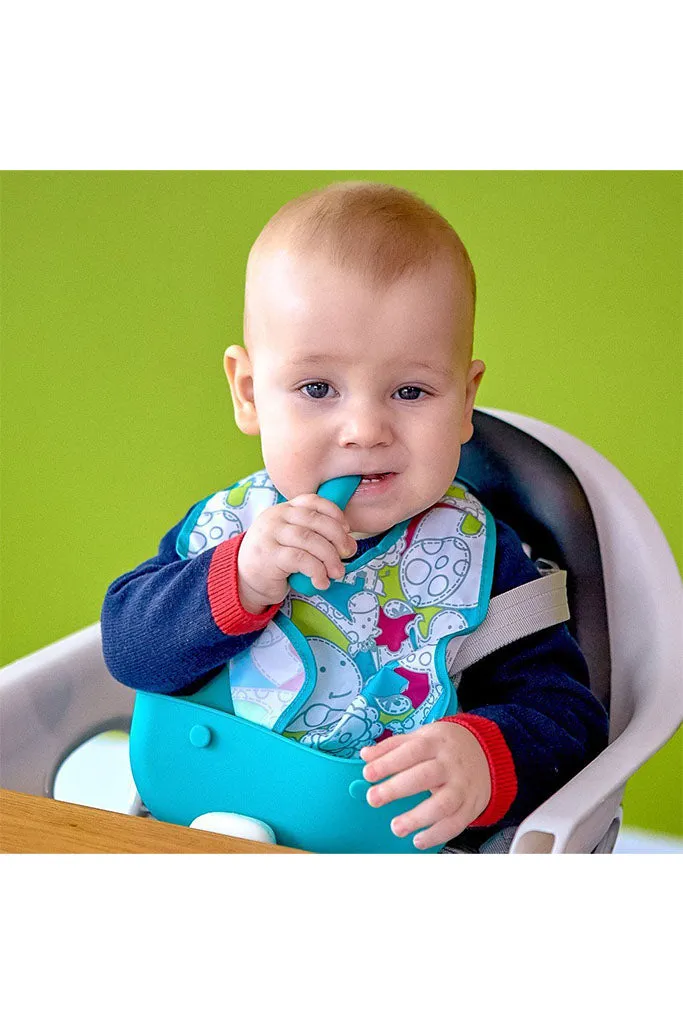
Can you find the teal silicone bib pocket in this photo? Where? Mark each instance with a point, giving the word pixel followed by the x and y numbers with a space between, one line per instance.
pixel 188 760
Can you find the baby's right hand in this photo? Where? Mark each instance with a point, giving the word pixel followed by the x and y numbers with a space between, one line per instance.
pixel 308 534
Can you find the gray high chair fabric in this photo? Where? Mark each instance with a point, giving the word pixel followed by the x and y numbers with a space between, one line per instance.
pixel 527 485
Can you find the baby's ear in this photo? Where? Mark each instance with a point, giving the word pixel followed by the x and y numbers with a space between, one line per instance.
pixel 238 370
pixel 474 375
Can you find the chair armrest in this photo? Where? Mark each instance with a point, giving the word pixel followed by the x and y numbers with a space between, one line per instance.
pixel 576 818
pixel 52 701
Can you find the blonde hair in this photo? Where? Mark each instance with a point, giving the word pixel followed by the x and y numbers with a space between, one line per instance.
pixel 378 230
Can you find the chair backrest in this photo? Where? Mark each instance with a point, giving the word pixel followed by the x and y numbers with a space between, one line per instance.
pixel 526 484
pixel 642 590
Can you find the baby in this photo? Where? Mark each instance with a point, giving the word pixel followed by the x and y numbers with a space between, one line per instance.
pixel 358 332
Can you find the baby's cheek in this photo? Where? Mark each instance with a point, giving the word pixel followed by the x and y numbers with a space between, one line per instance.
pixel 282 464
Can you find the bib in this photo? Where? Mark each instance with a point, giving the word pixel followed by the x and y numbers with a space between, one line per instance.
pixel 370 656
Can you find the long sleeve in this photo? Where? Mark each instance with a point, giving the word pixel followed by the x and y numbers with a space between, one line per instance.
pixel 172 623
pixel 530 706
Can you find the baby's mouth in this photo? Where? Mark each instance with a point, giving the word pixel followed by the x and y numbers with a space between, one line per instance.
pixel 374 478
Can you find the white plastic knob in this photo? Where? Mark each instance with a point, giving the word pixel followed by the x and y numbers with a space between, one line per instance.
pixel 238 825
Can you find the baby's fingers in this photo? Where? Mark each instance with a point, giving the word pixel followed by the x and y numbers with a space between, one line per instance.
pixel 441 817
pixel 395 754
pixel 322 525
pixel 428 775
pixel 295 538
pixel 377 750
pixel 292 559
pixel 322 506
pixel 442 831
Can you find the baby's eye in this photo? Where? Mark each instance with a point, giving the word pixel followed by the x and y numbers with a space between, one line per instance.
pixel 409 393
pixel 317 389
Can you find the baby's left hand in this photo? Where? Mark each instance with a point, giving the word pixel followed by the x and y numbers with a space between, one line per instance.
pixel 442 757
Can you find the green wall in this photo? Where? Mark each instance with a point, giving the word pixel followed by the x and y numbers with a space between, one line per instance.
pixel 122 290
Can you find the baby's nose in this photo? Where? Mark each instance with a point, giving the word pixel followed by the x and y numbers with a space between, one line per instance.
pixel 365 425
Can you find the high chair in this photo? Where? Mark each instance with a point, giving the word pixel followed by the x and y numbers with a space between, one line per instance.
pixel 571 507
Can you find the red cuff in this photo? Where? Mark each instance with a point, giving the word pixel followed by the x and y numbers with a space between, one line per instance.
pixel 501 766
pixel 224 597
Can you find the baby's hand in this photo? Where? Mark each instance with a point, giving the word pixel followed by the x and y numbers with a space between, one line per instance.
pixel 441 757
pixel 308 534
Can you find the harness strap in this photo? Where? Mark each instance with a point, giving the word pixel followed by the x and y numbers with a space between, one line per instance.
pixel 515 614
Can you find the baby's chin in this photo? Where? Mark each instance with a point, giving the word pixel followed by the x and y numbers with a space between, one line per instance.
pixel 369 524
pixel 372 517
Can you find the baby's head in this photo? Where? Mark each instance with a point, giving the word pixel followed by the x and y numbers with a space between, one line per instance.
pixel 358 327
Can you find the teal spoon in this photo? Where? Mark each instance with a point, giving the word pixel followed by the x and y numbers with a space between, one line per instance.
pixel 338 491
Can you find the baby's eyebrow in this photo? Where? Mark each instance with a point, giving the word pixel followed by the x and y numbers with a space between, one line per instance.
pixel 319 359
pixel 314 358
pixel 423 365
pixel 432 369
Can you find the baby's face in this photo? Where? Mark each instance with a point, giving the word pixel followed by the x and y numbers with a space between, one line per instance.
pixel 351 379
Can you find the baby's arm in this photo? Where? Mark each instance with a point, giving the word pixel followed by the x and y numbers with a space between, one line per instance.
pixel 528 709
pixel 171 623
pixel 533 700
